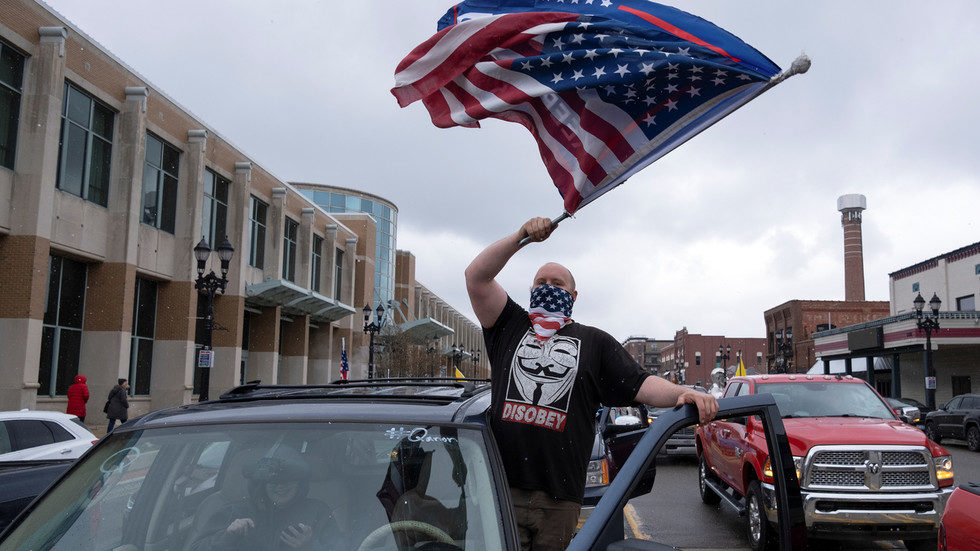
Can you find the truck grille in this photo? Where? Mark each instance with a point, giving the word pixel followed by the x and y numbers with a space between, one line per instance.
pixel 877 468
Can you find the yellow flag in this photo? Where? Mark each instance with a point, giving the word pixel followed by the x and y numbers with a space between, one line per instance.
pixel 740 372
pixel 459 374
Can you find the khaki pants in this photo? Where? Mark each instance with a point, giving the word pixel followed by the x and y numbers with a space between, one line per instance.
pixel 543 522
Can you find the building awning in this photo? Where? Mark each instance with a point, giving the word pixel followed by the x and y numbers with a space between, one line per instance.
pixel 296 300
pixel 425 329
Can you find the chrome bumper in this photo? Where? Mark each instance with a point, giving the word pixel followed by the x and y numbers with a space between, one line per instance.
pixel 860 513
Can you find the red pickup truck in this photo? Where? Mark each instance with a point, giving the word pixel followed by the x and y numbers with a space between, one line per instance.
pixel 864 474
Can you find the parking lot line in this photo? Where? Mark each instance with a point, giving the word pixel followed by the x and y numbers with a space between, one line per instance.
pixel 634 522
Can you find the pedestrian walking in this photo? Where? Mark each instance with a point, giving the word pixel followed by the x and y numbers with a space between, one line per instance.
pixel 77 398
pixel 117 405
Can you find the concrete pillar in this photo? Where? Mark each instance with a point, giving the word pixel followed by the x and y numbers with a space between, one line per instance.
pixel 320 370
pixel 896 376
pixel 295 347
pixel 274 229
pixel 111 285
pixel 263 352
pixel 349 271
pixel 24 252
pixel 328 284
pixel 304 249
pixel 172 374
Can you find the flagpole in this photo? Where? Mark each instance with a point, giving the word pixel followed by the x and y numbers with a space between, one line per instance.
pixel 554 224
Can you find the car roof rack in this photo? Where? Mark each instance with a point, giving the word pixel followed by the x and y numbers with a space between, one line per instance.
pixel 401 387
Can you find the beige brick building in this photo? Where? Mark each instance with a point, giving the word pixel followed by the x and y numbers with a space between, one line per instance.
pixel 106 185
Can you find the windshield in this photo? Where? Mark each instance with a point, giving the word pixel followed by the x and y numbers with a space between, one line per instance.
pixel 271 486
pixel 817 399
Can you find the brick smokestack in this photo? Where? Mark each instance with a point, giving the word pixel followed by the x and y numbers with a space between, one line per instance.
pixel 850 207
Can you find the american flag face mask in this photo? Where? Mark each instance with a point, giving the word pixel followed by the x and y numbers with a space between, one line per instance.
pixel 551 309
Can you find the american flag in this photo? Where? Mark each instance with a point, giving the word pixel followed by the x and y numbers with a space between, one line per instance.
pixel 605 86
pixel 344 367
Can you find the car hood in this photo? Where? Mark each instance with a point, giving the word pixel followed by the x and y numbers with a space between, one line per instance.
pixel 857 431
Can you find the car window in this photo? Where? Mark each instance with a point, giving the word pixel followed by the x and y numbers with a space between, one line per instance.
pixel 58 433
pixel 28 433
pixel 5 444
pixel 180 488
pixel 743 390
pixel 732 389
pixel 820 399
pixel 954 403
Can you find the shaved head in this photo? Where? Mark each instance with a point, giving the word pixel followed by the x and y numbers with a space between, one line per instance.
pixel 557 275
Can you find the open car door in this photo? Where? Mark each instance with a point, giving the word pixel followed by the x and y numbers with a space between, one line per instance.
pixel 599 533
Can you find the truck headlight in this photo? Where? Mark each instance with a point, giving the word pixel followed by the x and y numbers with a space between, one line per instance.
pixel 944 469
pixel 597 473
pixel 797 462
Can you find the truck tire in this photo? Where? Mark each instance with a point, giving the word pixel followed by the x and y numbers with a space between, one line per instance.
pixel 921 545
pixel 932 433
pixel 973 438
pixel 757 526
pixel 708 495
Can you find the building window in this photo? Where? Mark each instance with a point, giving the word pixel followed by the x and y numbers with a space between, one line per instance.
pixel 160 184
pixel 338 275
pixel 61 334
pixel 289 233
pixel 86 146
pixel 215 209
pixel 976 269
pixel 966 304
pixel 316 261
pixel 256 245
pixel 915 287
pixel 144 324
pixel 11 87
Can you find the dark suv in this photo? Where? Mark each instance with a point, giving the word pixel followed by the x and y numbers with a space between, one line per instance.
pixel 959 418
pixel 383 464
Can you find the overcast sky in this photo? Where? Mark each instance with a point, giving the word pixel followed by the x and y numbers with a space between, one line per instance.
pixel 736 221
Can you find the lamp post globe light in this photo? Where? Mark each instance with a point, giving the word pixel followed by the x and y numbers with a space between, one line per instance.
pixel 430 352
pixel 208 285
pixel 929 324
pixel 722 355
pixel 457 355
pixel 372 327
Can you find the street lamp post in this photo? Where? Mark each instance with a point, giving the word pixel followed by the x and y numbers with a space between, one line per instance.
pixel 785 350
pixel 475 356
pixel 372 327
pixel 929 324
pixel 722 355
pixel 208 285
pixel 457 355
pixel 431 352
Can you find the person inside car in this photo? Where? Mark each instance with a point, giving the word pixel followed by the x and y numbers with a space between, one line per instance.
pixel 276 514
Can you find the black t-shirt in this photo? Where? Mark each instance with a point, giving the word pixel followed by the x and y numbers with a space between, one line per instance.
pixel 545 396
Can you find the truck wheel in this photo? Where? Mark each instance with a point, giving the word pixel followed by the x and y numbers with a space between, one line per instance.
pixel 932 433
pixel 758 529
pixel 921 545
pixel 707 494
pixel 973 439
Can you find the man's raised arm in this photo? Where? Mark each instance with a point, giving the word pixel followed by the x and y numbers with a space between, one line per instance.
pixel 486 295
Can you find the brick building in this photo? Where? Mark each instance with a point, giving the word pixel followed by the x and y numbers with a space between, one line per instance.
pixel 646 352
pixel 106 185
pixel 791 325
pixel 695 355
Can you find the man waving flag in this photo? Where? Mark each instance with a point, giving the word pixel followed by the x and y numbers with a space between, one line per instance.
pixel 605 86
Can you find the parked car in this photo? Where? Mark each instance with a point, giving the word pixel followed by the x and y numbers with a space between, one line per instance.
pixel 960 418
pixel 617 430
pixel 401 464
pixel 32 435
pixel 960 527
pixel 923 409
pixel 22 481
pixel 864 474
pixel 906 412
pixel 681 443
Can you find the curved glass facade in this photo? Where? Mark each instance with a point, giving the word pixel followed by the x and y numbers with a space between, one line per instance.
pixel 384 256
